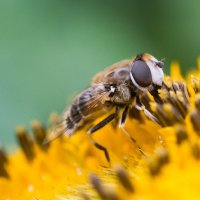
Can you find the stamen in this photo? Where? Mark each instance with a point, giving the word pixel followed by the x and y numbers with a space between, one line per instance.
pixel 163 116
pixel 104 192
pixel 172 114
pixel 183 105
pixel 124 179
pixel 196 150
pixel 25 142
pixel 84 196
pixel 174 101
pixel 195 119
pixel 181 134
pixel 185 91
pixel 40 134
pixel 197 102
pixel 3 162
pixel 195 84
pixel 160 159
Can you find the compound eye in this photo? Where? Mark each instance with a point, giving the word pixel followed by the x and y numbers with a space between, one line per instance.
pixel 141 73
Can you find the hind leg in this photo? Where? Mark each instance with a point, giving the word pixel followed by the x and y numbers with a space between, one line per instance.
pixel 101 148
pixel 99 126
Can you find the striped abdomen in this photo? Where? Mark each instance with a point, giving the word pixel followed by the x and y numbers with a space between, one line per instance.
pixel 84 108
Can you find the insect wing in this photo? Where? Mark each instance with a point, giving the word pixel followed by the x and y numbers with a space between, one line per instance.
pixel 93 99
pixel 84 107
pixel 116 73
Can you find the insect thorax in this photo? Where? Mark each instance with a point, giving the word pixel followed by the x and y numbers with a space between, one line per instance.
pixel 122 94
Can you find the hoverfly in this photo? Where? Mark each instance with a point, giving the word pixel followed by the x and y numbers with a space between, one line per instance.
pixel 114 90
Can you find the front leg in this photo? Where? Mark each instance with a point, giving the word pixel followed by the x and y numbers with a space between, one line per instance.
pixel 140 106
pixel 154 92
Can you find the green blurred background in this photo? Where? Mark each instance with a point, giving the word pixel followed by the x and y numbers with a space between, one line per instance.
pixel 50 49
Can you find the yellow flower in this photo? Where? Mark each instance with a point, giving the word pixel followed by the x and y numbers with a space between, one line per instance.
pixel 72 168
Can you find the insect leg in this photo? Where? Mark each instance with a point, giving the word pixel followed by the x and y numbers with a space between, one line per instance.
pixel 102 148
pixel 124 116
pixel 121 125
pixel 154 92
pixel 101 125
pixel 103 122
pixel 140 106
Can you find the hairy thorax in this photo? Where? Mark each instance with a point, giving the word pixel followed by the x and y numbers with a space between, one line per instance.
pixel 122 94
